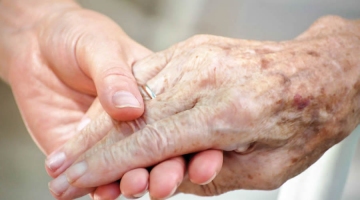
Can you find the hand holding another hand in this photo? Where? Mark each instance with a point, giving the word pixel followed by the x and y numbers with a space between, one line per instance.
pixel 273 107
pixel 66 56
pixel 57 58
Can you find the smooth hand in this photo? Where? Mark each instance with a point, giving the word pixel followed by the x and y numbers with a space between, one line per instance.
pixel 57 57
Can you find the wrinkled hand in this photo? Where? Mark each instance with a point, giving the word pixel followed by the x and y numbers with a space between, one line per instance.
pixel 274 108
pixel 163 178
pixel 57 58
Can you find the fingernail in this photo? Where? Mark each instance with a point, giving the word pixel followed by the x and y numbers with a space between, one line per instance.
pixel 55 161
pixel 83 123
pixel 208 181
pixel 172 192
pixel 59 185
pixel 76 171
pixel 142 193
pixel 124 99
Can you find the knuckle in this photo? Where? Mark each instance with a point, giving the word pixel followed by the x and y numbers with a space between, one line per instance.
pixel 200 38
pixel 197 40
pixel 152 142
pixel 83 142
pixel 109 159
pixel 331 19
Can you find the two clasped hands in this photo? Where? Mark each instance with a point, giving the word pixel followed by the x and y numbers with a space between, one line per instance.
pixel 228 114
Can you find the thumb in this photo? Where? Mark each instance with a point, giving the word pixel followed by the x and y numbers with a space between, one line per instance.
pixel 108 62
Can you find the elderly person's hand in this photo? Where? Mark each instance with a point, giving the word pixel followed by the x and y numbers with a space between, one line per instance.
pixel 287 102
pixel 167 175
pixel 57 57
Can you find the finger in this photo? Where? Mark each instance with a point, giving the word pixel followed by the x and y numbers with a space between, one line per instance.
pixel 204 166
pixel 122 131
pixel 149 67
pixel 90 134
pixel 109 191
pixel 66 191
pixel 180 134
pixel 166 177
pixel 108 60
pixel 134 184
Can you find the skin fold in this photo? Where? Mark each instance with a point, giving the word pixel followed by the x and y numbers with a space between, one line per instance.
pixel 286 102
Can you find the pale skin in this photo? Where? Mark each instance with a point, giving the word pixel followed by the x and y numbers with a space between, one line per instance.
pixel 57 62
pixel 274 104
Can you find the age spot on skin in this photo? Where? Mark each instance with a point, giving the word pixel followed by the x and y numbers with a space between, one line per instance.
pixel 294 160
pixel 264 63
pixel 313 53
pixel 300 102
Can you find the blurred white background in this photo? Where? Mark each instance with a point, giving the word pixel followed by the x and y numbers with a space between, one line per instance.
pixel 157 24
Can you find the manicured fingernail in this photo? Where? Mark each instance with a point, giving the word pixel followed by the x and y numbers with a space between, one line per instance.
pixel 55 161
pixel 83 123
pixel 142 193
pixel 59 185
pixel 76 171
pixel 124 99
pixel 208 181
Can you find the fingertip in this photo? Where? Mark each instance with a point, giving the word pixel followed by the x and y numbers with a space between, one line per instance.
pixel 204 166
pixel 166 177
pixel 135 183
pixel 121 99
pixel 109 191
pixel 54 162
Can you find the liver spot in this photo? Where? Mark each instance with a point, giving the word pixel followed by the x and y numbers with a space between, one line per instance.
pixel 313 53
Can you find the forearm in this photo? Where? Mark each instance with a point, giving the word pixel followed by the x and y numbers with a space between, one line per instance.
pixel 328 56
pixel 21 15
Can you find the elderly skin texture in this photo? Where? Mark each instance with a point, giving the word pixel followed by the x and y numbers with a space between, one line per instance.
pixel 290 100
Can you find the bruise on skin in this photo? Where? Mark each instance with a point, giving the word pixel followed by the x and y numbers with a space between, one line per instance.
pixel 313 53
pixel 300 102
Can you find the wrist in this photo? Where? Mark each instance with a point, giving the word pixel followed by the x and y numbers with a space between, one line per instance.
pixel 331 26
